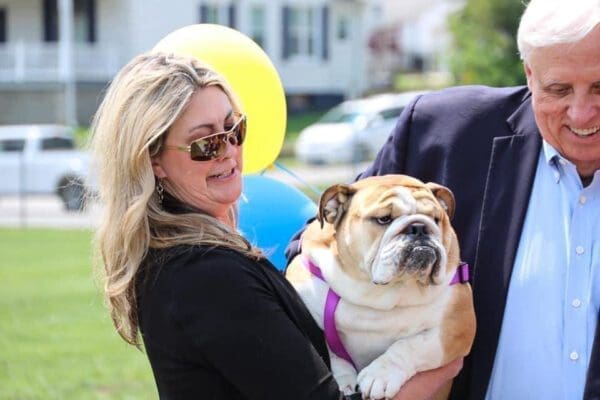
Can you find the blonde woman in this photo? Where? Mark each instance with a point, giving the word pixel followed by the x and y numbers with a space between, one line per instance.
pixel 217 320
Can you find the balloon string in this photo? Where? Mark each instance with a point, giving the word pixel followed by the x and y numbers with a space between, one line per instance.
pixel 312 188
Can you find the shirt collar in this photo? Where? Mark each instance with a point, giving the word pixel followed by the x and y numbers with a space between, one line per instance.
pixel 560 166
pixel 557 163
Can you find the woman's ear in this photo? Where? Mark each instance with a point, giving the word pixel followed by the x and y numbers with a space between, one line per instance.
pixel 157 168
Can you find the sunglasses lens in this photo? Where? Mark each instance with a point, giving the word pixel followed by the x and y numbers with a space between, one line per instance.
pixel 211 147
pixel 238 133
pixel 208 148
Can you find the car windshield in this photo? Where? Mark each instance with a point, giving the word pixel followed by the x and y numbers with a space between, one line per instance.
pixel 337 115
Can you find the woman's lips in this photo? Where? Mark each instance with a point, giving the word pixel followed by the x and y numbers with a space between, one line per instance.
pixel 223 175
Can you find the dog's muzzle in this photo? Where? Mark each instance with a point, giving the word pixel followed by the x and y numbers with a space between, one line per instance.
pixel 420 254
pixel 410 246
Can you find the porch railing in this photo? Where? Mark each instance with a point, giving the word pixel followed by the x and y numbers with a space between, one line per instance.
pixel 22 62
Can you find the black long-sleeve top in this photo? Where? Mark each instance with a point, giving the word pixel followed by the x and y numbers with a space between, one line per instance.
pixel 217 325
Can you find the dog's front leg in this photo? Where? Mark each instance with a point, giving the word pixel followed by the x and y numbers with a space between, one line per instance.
pixel 383 378
pixel 344 374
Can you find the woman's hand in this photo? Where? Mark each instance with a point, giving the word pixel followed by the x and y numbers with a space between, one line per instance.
pixel 425 385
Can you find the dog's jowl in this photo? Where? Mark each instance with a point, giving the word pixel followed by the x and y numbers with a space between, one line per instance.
pixel 380 271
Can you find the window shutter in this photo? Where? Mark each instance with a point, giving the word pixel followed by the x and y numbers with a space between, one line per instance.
pixel 325 33
pixel 91 14
pixel 50 21
pixel 2 25
pixel 285 33
pixel 231 12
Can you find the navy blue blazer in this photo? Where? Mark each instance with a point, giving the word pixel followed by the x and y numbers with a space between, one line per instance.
pixel 483 144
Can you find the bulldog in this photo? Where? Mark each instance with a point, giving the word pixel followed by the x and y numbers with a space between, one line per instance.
pixel 380 272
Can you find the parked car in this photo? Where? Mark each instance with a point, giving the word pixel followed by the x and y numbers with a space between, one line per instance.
pixel 352 131
pixel 42 159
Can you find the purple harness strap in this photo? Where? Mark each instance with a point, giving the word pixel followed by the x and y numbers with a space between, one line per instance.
pixel 331 333
pixel 461 275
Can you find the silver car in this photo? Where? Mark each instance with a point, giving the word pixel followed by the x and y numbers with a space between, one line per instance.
pixel 352 131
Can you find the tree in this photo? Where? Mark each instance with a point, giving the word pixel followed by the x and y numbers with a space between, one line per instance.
pixel 484 43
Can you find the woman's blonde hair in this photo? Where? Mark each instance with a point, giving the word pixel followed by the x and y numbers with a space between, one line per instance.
pixel 142 102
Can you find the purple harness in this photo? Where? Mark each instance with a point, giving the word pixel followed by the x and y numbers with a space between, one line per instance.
pixel 331 333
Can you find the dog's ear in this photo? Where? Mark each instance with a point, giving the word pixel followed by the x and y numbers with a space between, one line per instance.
pixel 444 196
pixel 334 203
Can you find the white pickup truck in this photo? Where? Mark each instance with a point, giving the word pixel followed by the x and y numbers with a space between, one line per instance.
pixel 42 159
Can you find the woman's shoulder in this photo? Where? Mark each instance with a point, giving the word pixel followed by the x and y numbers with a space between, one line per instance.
pixel 209 265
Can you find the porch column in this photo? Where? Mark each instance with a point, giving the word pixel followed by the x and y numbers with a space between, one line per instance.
pixel 65 37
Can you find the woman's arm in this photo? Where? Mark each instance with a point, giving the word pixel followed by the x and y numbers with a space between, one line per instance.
pixel 236 323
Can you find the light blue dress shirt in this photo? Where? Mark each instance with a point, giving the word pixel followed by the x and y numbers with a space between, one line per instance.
pixel 554 293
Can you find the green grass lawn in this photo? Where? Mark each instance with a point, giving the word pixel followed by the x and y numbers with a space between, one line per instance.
pixel 56 338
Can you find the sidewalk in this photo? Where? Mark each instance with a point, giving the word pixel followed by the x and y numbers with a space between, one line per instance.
pixel 48 211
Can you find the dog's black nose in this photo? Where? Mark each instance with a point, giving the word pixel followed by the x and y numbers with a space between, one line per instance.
pixel 417 229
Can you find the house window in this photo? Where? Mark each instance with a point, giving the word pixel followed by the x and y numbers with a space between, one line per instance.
pixel 258 24
pixel 84 24
pixel 84 21
pixel 212 13
pixel 343 26
pixel 2 25
pixel 302 28
pixel 209 14
pixel 305 32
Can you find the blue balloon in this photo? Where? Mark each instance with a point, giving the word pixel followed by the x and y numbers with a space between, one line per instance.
pixel 270 212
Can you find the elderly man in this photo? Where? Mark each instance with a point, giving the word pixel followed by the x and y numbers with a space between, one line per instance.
pixel 524 165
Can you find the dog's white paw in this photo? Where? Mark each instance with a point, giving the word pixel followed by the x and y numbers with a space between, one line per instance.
pixel 381 379
pixel 347 383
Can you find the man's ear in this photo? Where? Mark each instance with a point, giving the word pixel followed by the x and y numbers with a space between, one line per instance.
pixel 334 203
pixel 528 75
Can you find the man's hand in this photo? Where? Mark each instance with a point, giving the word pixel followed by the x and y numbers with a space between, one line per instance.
pixel 427 384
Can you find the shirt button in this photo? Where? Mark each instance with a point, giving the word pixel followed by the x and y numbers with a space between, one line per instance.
pixel 582 200
pixel 576 303
pixel 574 356
pixel 579 250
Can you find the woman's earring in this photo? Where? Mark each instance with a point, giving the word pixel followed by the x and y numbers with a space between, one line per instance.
pixel 160 190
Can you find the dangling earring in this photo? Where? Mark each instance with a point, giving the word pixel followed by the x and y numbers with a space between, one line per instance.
pixel 160 190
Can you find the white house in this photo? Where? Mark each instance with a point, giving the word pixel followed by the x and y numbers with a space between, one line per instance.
pixel 56 56
pixel 413 36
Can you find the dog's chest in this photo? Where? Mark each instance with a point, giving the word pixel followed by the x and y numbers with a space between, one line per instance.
pixel 367 332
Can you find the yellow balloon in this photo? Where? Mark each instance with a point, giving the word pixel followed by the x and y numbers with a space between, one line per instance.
pixel 251 74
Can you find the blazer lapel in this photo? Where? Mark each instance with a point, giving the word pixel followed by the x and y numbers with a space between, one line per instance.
pixel 508 187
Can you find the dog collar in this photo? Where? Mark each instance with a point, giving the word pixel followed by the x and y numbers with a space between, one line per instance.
pixel 332 336
pixel 461 275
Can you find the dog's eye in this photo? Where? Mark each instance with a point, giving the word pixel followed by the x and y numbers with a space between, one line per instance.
pixel 385 220
pixel 437 221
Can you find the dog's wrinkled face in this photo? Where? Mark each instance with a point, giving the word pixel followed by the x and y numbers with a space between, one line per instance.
pixel 393 228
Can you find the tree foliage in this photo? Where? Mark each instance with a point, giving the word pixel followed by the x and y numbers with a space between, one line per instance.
pixel 484 43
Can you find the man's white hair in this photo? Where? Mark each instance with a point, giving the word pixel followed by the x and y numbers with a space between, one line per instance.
pixel 550 22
